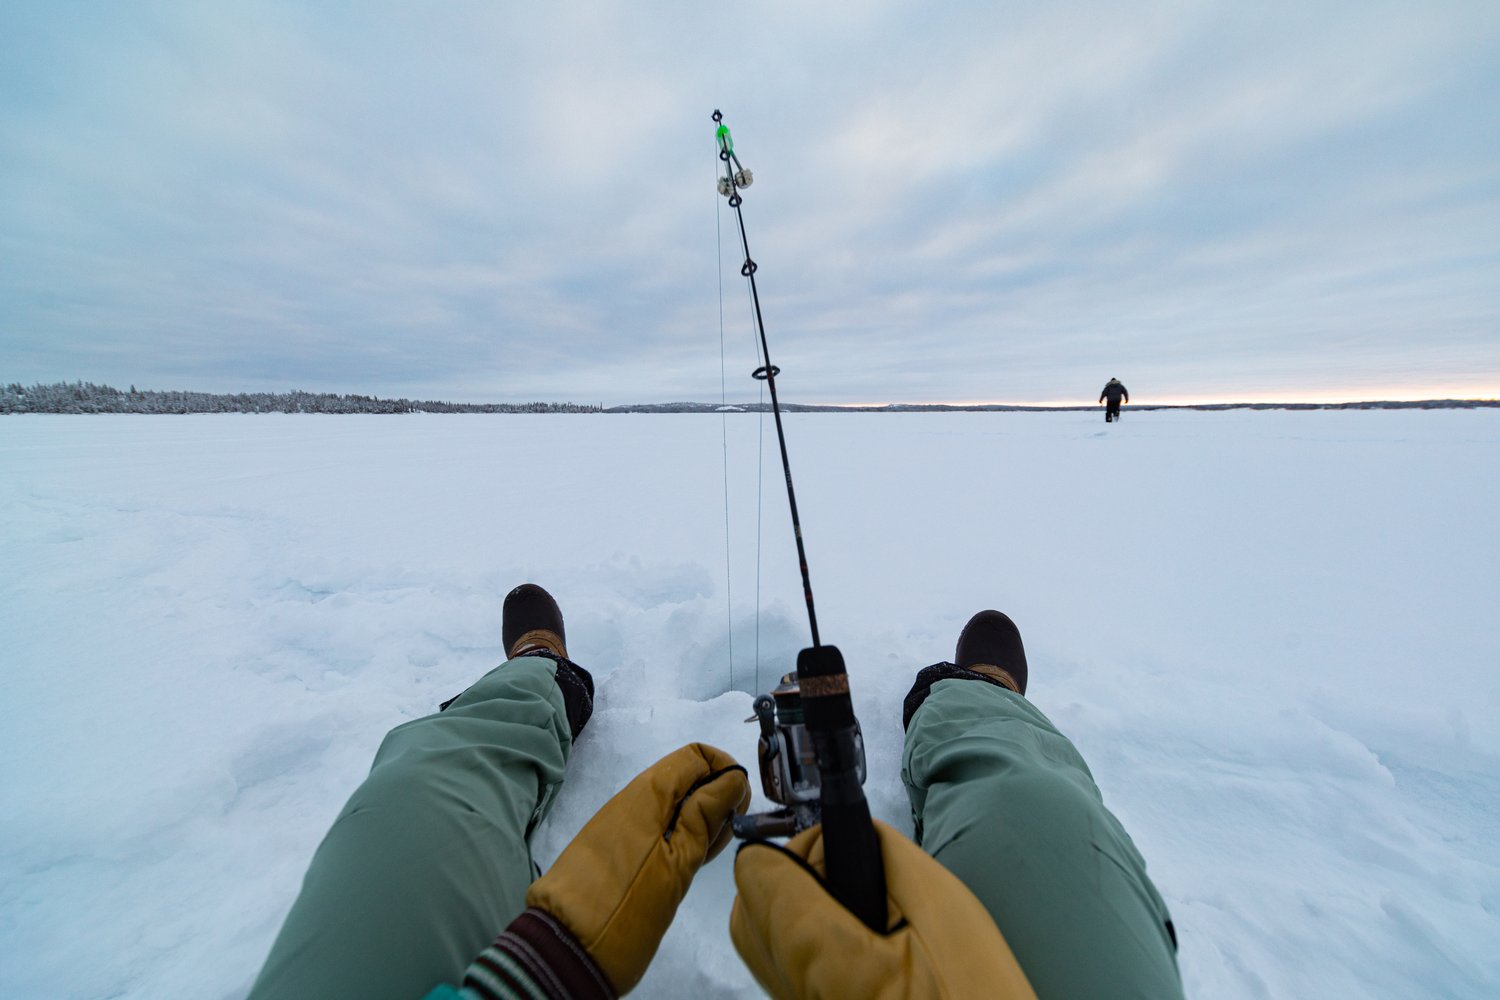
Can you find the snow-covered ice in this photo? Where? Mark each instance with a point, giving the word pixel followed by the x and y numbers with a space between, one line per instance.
pixel 1272 634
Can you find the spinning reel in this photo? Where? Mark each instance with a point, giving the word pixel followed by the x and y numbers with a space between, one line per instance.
pixel 789 773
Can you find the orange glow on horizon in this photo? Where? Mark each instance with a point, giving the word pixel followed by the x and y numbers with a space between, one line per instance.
pixel 1370 395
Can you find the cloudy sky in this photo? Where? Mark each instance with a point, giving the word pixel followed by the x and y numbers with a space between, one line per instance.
pixel 985 201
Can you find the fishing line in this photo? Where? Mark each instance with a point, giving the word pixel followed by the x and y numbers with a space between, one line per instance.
pixel 735 177
pixel 760 499
pixel 724 441
pixel 760 476
pixel 760 458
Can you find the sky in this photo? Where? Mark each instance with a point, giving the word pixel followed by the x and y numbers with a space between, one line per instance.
pixel 965 202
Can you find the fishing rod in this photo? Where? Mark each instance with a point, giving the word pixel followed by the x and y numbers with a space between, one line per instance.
pixel 811 750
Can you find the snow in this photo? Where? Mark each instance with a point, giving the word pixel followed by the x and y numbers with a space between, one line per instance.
pixel 1272 634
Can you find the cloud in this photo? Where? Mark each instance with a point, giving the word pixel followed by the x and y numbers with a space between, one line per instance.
pixel 968 202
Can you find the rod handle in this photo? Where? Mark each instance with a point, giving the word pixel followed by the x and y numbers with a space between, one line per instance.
pixel 855 872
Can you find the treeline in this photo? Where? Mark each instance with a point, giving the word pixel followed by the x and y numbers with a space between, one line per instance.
pixel 86 397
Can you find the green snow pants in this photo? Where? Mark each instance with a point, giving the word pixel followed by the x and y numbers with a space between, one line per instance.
pixel 429 860
pixel 1004 801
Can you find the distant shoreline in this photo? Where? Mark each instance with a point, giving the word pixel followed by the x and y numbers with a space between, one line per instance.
pixel 89 398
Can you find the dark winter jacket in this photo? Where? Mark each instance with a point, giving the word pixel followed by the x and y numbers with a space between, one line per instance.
pixel 1114 389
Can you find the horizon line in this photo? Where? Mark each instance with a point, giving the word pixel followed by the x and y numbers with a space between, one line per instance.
pixel 1327 397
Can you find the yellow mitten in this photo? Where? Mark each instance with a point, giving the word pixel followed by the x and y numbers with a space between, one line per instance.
pixel 616 887
pixel 801 943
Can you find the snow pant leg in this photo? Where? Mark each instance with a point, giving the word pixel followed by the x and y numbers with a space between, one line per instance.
pixel 429 859
pixel 1005 802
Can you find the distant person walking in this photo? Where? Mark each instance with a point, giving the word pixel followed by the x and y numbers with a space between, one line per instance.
pixel 1114 392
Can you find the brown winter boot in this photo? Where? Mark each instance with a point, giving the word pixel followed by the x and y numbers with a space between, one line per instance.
pixel 530 620
pixel 531 625
pixel 991 645
pixel 989 650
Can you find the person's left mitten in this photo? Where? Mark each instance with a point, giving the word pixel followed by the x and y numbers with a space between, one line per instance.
pixel 594 921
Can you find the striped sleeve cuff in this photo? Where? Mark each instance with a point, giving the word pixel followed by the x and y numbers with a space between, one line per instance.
pixel 535 958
